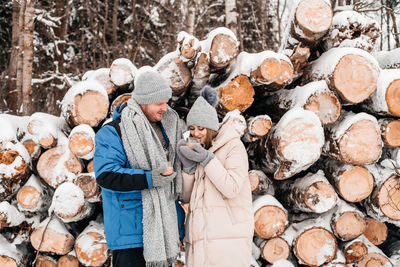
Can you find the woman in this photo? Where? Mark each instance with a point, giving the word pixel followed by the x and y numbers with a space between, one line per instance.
pixel 219 226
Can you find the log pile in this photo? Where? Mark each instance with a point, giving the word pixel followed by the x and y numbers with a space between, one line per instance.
pixel 322 134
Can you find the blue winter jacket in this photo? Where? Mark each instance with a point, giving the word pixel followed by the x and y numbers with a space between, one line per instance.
pixel 120 186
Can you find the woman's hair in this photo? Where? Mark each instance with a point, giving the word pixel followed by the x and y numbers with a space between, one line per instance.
pixel 211 134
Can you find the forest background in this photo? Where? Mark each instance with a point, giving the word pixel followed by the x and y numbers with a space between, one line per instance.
pixel 46 44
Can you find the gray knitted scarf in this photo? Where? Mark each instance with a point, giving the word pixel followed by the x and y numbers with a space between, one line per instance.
pixel 145 151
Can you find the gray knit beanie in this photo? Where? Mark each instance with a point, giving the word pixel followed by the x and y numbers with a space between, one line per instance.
pixel 203 114
pixel 151 87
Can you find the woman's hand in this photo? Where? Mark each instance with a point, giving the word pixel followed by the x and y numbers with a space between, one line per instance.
pixel 197 154
pixel 189 166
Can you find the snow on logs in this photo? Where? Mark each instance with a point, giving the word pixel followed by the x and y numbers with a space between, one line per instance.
pixel 390 131
pixel 354 139
pixel 90 246
pixel 102 76
pixel 86 102
pixel 10 255
pixel 314 96
pixel 15 168
pixel 293 144
pixel 351 72
pixel 223 46
pixel 386 99
pixel 353 29
pixel 33 196
pixel 10 216
pixel 52 237
pixel 270 217
pixel 311 193
pixel 81 141
pixel 122 72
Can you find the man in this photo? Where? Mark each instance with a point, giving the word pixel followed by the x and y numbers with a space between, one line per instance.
pixel 140 176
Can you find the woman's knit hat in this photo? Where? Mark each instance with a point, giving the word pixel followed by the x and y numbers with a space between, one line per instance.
pixel 203 114
pixel 151 87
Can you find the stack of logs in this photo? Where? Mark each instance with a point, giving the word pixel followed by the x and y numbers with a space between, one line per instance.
pixel 323 139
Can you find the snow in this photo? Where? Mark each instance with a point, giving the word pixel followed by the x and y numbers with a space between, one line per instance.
pixel 68 199
pixel 206 44
pixel 348 119
pixel 36 183
pixel 89 133
pixel 267 200
pixel 120 78
pixel 42 125
pixel 378 98
pixel 55 225
pixel 12 126
pixel 88 244
pixel 10 250
pixel 238 121
pixel 345 18
pixel 388 58
pixel 326 63
pixel 93 74
pixel 301 94
pixel 8 170
pixel 13 215
pixel 282 263
pixel 168 68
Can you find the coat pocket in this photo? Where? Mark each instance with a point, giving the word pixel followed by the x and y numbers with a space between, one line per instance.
pixel 130 219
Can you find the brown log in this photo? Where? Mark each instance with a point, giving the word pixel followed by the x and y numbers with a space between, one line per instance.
pixel 175 71
pixel 81 141
pixel 7 261
pixel 376 231
pixel 85 103
pixel 390 131
pixel 275 249
pixel 387 96
pixel 202 71
pixel 224 47
pixel 354 139
pixel 353 29
pixel 374 257
pixel 260 184
pixel 57 165
pixel 15 169
pixel 311 193
pixel 188 46
pixel 87 182
pixel 347 222
pixel 118 100
pixel 351 72
pixel 122 72
pixel 314 96
pixel 236 94
pixel 45 261
pixel 312 20
pixel 279 153
pixel 299 58
pixel 102 76
pixel 259 126
pixel 33 196
pixel 32 146
pixel 91 247
pixel 68 261
pixel 355 251
pixel 56 238
pixel 352 183
pixel 10 254
pixel 270 217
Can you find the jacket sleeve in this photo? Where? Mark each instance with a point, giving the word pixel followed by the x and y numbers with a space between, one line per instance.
pixel 187 186
pixel 111 166
pixel 229 179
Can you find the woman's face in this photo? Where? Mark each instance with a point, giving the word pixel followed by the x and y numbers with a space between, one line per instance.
pixel 198 132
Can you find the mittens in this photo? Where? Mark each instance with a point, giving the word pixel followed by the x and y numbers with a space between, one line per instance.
pixel 161 180
pixel 189 166
pixel 198 154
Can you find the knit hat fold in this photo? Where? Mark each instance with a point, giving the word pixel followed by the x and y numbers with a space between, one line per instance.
pixel 151 87
pixel 203 114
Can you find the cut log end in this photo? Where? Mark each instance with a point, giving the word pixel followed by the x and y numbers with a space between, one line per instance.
pixel 68 261
pixel 391 135
pixel 316 246
pixel 90 108
pixel 7 261
pixel 32 147
pixel 223 50
pixel 376 231
pixel 28 197
pixel 270 221
pixel 355 184
pixel 354 78
pixel 53 241
pixel 120 74
pixel 89 167
pixel 120 99
pixel 254 181
pixel 355 252
pixel 313 17
pixel 388 196
pixel 104 79
pixel 320 197
pixel 261 126
pixel 275 249
pixel 81 144
pixel 374 260
pixel 349 225
pixel 237 94
pixel 95 256
pixel 326 106
pixel 362 144
pixel 88 185
pixel 393 97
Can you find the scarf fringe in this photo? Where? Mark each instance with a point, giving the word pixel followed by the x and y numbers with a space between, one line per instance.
pixel 167 263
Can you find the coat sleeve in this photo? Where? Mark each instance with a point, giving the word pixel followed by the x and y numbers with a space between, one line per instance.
pixel 229 178
pixel 111 166
pixel 187 186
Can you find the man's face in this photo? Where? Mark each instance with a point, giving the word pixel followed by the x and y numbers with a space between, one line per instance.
pixel 155 111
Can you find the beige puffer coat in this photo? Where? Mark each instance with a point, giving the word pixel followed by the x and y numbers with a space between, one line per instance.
pixel 219 226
